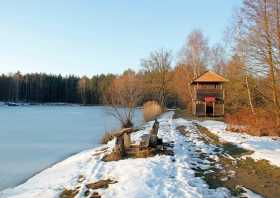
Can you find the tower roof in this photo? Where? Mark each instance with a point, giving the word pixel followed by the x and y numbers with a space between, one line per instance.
pixel 209 76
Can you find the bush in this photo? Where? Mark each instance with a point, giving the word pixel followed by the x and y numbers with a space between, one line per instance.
pixel 152 110
pixel 262 123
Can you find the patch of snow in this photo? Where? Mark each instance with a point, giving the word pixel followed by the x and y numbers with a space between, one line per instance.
pixel 267 148
pixel 250 194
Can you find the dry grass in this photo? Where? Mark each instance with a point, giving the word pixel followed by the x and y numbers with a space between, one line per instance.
pixel 108 136
pixel 262 123
pixel 152 110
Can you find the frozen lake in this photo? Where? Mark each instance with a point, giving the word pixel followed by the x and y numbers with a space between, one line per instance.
pixel 34 137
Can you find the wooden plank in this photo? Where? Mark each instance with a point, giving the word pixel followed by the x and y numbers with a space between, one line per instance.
pixel 127 140
pixel 119 146
pixel 123 131
pixel 145 140
pixel 155 128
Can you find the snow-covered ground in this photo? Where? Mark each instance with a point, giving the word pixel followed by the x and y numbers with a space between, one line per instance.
pixel 267 148
pixel 158 176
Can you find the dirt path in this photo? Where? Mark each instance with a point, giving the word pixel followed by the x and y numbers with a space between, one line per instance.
pixel 222 164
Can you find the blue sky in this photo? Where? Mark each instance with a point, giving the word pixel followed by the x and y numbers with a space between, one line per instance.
pixel 89 37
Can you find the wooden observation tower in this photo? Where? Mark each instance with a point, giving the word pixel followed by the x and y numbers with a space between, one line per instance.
pixel 208 97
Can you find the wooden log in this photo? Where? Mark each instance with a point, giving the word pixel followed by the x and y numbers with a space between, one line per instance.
pixel 123 131
pixel 153 141
pixel 154 132
pixel 119 146
pixel 155 128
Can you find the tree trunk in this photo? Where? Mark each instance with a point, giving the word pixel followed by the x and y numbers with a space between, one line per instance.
pixel 270 61
pixel 249 94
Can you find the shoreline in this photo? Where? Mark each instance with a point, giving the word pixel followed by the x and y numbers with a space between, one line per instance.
pixel 24 104
pixel 48 167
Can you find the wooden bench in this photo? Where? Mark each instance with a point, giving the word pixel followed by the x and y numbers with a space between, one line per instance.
pixel 123 141
pixel 151 139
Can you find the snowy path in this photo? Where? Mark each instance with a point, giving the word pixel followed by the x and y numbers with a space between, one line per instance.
pixel 158 176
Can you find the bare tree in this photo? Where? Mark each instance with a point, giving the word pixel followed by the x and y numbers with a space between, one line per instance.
pixel 181 84
pixel 236 92
pixel 123 96
pixel 249 94
pixel 259 38
pixel 195 53
pixel 83 88
pixel 218 58
pixel 193 60
pixel 157 72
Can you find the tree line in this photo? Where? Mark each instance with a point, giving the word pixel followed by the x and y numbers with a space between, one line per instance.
pixel 41 88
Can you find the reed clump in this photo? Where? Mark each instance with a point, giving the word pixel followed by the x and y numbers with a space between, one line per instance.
pixel 152 110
